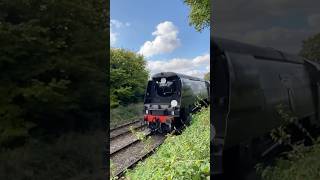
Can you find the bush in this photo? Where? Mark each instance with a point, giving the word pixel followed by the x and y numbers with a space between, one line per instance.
pixel 301 163
pixel 128 77
pixel 72 156
pixel 311 48
pixel 52 67
pixel 124 114
pixel 186 156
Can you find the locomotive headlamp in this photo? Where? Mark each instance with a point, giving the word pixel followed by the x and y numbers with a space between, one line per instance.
pixel 163 80
pixel 174 103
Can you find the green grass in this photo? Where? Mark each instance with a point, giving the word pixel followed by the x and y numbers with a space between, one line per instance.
pixel 124 114
pixel 301 164
pixel 186 156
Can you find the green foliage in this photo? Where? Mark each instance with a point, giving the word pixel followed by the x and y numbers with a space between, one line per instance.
pixel 311 48
pixel 303 163
pixel 128 77
pixel 199 15
pixel 186 156
pixel 282 134
pixel 142 136
pixel 124 114
pixel 207 76
pixel 72 156
pixel 299 163
pixel 52 56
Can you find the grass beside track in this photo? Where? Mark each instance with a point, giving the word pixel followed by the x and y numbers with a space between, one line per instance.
pixel 186 156
pixel 124 114
pixel 301 164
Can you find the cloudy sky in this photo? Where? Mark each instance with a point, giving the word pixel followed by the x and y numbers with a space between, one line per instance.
pixel 281 24
pixel 160 31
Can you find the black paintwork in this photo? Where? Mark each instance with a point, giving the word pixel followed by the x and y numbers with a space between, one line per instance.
pixel 189 89
pixel 249 82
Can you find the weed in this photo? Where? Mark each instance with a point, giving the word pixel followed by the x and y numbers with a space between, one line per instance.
pixel 186 156
pixel 300 163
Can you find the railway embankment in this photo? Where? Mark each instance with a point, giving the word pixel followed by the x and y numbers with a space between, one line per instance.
pixel 300 163
pixel 125 114
pixel 185 156
pixel 129 144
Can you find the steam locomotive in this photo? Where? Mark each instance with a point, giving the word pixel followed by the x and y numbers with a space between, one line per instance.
pixel 248 83
pixel 170 98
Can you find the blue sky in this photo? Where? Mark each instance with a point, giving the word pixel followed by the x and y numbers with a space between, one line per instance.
pixel 160 31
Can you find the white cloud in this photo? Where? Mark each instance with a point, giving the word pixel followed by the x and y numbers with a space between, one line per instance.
pixel 113 37
pixel 116 24
pixel 208 67
pixel 234 21
pixel 166 40
pixel 196 73
pixel 314 20
pixel 197 66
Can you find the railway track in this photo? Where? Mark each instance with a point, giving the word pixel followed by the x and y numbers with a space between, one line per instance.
pixel 125 128
pixel 128 139
pixel 127 149
pixel 130 155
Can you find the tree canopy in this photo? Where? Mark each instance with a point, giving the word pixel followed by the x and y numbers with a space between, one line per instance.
pixel 128 77
pixel 199 15
pixel 207 76
pixel 52 66
pixel 311 48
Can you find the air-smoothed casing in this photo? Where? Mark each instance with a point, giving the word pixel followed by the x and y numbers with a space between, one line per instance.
pixel 249 82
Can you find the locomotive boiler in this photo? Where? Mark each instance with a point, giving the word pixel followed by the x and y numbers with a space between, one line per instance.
pixel 170 98
pixel 248 83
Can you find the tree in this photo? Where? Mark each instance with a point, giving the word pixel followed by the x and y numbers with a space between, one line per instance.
pixel 128 77
pixel 199 15
pixel 311 48
pixel 52 67
pixel 207 76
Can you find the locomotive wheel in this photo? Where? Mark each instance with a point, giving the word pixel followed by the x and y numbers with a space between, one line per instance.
pixel 178 126
pixel 164 128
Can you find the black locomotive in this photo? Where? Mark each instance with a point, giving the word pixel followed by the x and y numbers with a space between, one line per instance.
pixel 170 98
pixel 248 83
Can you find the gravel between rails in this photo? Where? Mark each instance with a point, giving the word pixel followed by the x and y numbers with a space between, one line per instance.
pixel 129 156
pixel 121 142
pixel 117 132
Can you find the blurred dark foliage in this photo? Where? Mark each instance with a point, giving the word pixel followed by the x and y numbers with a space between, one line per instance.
pixel 311 48
pixel 52 68
pixel 73 156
